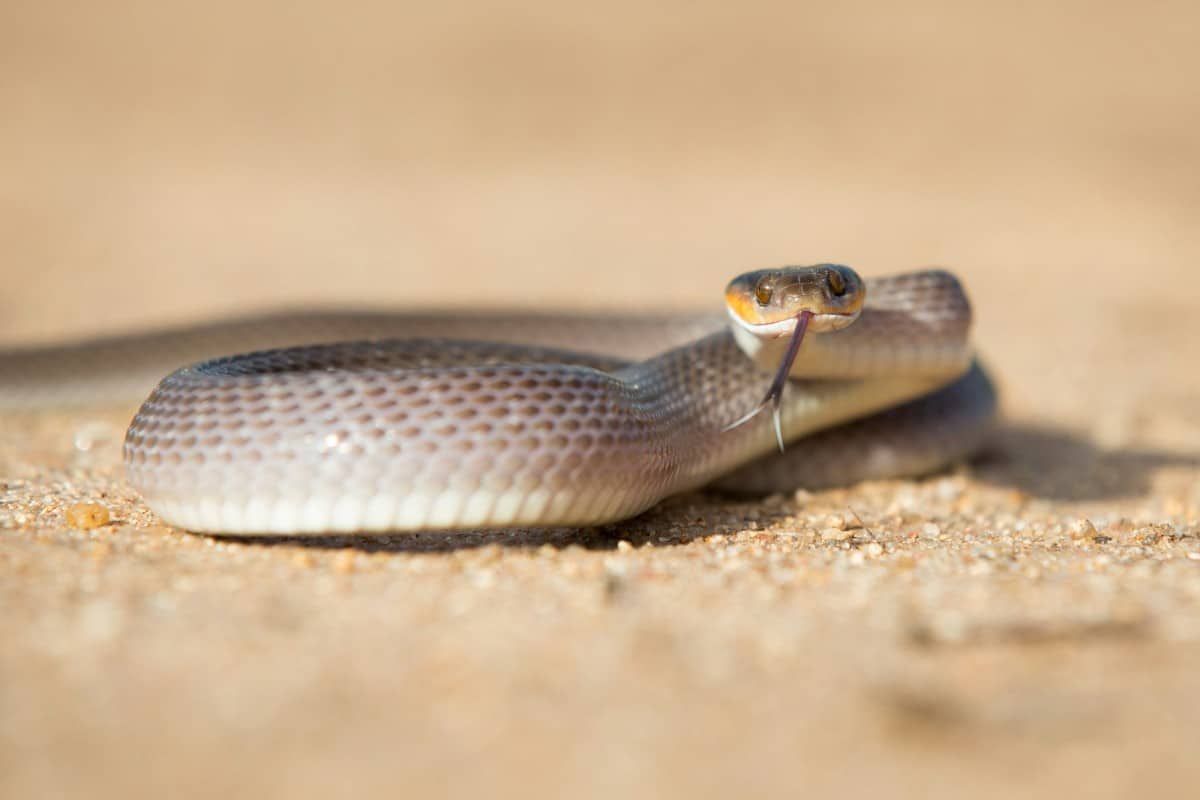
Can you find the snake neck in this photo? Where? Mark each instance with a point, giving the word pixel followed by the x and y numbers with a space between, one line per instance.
pixel 686 398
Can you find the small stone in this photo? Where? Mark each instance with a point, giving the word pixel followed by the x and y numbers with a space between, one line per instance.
pixel 623 546
pixel 835 534
pixel 874 549
pixel 1082 529
pixel 87 515
pixel 835 521
pixel 930 530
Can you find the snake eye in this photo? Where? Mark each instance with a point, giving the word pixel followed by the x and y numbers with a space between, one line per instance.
pixel 837 284
pixel 763 292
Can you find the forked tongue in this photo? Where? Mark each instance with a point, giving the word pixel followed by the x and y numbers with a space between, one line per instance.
pixel 774 394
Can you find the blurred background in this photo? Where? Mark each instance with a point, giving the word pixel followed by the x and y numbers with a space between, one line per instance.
pixel 165 162
pixel 168 162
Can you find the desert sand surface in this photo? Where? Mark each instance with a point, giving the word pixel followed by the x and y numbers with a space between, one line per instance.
pixel 1028 622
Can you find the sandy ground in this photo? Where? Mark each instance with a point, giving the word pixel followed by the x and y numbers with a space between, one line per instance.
pixel 1027 622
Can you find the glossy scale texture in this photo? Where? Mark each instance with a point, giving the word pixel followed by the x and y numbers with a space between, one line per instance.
pixel 411 434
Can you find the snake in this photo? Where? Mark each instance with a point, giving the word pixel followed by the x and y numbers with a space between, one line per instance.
pixel 383 422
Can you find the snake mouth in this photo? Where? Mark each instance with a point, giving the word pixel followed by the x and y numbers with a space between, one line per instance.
pixel 784 327
pixel 767 304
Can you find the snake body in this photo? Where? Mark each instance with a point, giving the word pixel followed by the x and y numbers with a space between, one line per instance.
pixel 392 434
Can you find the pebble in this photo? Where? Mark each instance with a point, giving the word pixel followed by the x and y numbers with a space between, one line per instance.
pixel 1082 529
pixel 87 515
pixel 835 534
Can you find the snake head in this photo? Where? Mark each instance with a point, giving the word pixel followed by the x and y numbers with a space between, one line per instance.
pixel 768 302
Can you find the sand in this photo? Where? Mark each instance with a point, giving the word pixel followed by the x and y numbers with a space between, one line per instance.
pixel 1027 622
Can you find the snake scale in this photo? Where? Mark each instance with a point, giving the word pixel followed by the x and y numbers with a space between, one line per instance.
pixel 473 419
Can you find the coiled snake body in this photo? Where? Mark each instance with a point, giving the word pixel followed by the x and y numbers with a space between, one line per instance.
pixel 390 434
